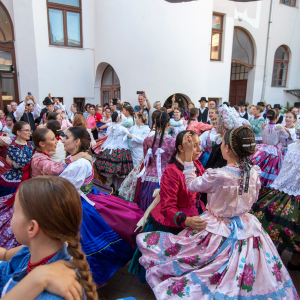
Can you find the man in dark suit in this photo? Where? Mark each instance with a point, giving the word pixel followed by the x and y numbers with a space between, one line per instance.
pixel 278 108
pixel 243 112
pixel 203 111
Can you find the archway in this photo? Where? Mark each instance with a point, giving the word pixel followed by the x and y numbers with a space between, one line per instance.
pixel 241 64
pixel 110 83
pixel 8 74
pixel 181 99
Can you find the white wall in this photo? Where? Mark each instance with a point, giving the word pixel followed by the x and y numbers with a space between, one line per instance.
pixel 156 46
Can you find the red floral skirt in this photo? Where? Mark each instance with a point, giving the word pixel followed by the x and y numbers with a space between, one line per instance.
pixel 118 162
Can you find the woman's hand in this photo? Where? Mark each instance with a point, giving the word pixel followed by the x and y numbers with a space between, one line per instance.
pixel 262 127
pixel 129 136
pixel 247 125
pixel 83 155
pixel 60 278
pixel 188 147
pixel 195 222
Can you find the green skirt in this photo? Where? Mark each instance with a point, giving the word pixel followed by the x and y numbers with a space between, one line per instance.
pixel 279 214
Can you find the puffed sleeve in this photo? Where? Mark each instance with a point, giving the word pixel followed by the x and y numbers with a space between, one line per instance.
pixel 170 182
pixel 77 172
pixel 203 140
pixel 206 183
pixel 139 137
pixel 50 167
pixel 18 155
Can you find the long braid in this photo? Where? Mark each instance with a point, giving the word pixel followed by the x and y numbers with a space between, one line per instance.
pixel 81 264
pixel 162 134
pixel 154 138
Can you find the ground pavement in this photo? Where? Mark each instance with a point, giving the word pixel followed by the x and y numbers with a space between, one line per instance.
pixel 122 284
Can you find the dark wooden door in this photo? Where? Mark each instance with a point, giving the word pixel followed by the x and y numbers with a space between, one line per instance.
pixel 238 91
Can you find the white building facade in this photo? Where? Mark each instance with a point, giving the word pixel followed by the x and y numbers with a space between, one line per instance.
pixel 88 51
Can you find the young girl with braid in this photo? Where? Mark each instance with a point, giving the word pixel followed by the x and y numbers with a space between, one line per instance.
pixel 158 150
pixel 46 220
pixel 233 257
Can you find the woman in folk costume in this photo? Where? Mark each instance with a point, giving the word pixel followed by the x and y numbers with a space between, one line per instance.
pixel 5 141
pixel 267 155
pixel 115 156
pixel 208 138
pixel 193 124
pixel 227 119
pixel 174 203
pixel 278 208
pixel 256 123
pixel 137 135
pixel 19 154
pixel 233 257
pixel 60 152
pixel 108 222
pixel 290 127
pixel 158 150
pixel 177 124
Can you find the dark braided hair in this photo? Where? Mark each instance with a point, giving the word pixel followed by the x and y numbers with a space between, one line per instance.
pixel 193 113
pixel 241 141
pixel 179 140
pixel 161 121
pixel 272 114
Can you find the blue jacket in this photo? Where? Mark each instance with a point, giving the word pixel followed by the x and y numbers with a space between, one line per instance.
pixel 15 270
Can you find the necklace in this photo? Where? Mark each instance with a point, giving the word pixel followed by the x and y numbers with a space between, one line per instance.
pixel 42 262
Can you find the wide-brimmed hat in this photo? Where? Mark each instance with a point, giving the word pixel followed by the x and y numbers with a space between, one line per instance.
pixel 261 104
pixel 242 103
pixel 277 106
pixel 297 104
pixel 47 101
pixel 202 99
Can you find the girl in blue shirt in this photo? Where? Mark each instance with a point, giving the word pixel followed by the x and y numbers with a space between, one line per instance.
pixel 46 220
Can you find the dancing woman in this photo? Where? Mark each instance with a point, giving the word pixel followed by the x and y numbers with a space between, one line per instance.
pixel 267 155
pixel 233 257
pixel 18 155
pixel 158 150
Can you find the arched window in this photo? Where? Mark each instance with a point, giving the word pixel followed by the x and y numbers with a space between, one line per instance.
pixel 110 86
pixel 6 31
pixel 280 68
pixel 242 48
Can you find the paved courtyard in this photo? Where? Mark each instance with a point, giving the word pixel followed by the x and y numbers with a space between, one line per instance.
pixel 122 284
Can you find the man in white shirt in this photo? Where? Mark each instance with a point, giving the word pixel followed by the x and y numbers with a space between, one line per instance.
pixel 203 111
pixel 242 121
pixel 243 113
pixel 73 111
pixel 297 106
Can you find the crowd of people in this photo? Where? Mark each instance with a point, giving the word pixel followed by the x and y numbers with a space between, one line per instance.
pixel 201 201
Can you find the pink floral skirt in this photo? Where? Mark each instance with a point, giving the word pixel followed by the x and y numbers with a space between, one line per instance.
pixel 179 267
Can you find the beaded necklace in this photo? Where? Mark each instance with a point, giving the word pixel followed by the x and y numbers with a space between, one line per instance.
pixel 42 262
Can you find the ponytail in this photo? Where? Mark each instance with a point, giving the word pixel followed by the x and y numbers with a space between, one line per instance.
pixel 193 113
pixel 161 122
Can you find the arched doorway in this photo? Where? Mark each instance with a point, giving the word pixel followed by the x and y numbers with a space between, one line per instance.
pixel 110 85
pixel 241 64
pixel 8 74
pixel 181 99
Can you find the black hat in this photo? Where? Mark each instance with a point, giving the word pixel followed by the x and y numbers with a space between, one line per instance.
pixel 203 99
pixel 277 106
pixel 242 103
pixel 261 104
pixel 47 101
pixel 226 103
pixel 297 104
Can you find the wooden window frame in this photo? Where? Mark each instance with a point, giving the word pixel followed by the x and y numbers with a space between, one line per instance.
pixel 65 9
pixel 280 61
pixel 290 3
pixel 220 32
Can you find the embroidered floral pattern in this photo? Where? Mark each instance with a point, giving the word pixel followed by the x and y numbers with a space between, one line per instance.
pixel 173 250
pixel 276 270
pixel 177 288
pixel 152 239
pixel 246 279
pixel 191 260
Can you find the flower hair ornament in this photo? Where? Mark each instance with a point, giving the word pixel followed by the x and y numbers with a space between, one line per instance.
pixel 228 118
pixel 245 163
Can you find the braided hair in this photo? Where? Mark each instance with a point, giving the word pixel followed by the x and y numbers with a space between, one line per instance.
pixel 161 121
pixel 241 141
pixel 193 114
pixel 272 114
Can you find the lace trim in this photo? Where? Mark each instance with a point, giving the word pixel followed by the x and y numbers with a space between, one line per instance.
pixel 152 179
